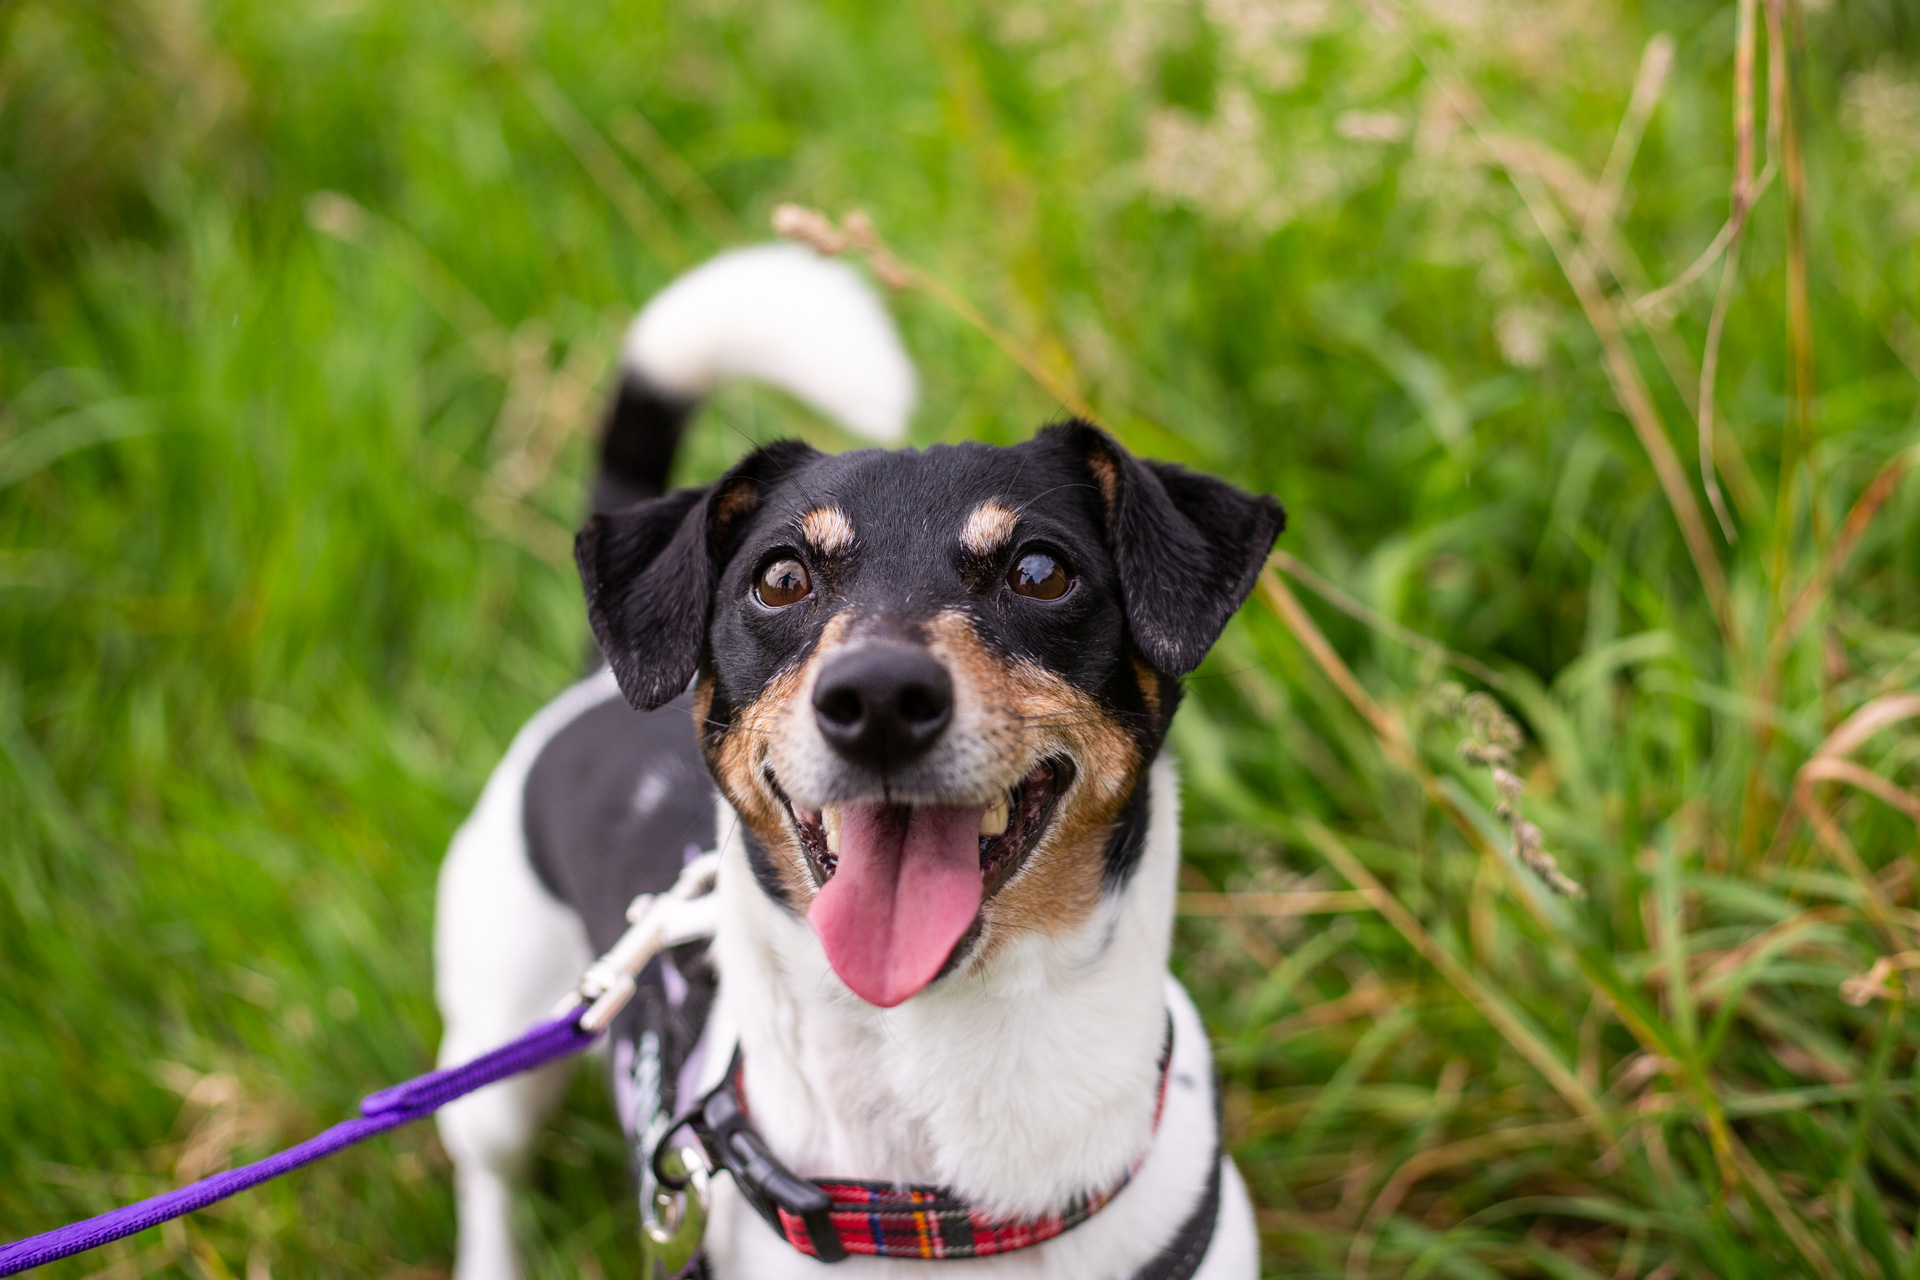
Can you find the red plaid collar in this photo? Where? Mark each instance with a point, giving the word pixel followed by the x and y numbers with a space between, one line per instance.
pixel 891 1220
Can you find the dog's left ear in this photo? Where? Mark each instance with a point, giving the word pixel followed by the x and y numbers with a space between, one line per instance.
pixel 1188 546
pixel 650 572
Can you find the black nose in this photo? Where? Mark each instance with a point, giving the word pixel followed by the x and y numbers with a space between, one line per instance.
pixel 882 707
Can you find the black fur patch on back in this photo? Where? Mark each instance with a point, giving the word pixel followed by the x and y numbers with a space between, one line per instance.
pixel 613 802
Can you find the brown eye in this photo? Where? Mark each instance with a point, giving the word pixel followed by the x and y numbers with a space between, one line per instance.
pixel 783 582
pixel 1039 576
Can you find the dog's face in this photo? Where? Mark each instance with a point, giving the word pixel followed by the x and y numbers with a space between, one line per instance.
pixel 931 683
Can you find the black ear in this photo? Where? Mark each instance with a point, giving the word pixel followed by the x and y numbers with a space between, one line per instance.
pixel 1188 546
pixel 650 571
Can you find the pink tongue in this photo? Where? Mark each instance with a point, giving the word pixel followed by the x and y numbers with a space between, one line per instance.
pixel 906 888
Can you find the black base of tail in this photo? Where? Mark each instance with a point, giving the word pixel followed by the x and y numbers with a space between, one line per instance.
pixel 637 444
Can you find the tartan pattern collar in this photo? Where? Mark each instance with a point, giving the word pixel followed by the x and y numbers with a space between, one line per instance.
pixel 924 1222
pixel 831 1218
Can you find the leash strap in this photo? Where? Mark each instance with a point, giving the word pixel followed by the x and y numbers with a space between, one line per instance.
pixel 379 1112
pixel 827 1220
pixel 658 921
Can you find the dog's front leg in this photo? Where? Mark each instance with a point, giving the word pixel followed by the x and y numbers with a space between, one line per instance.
pixel 504 952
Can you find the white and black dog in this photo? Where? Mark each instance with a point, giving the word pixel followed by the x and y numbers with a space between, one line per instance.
pixel 917 700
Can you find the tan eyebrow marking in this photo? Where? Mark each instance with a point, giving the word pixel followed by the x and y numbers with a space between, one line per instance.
pixel 988 528
pixel 828 530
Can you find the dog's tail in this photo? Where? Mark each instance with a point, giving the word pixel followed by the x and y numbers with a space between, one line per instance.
pixel 779 314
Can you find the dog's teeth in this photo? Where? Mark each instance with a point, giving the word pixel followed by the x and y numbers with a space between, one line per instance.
pixel 994 821
pixel 830 819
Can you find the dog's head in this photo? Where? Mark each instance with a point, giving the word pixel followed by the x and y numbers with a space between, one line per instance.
pixel 931 683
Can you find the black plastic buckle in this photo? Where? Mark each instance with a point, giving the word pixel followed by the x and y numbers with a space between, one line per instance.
pixel 733 1144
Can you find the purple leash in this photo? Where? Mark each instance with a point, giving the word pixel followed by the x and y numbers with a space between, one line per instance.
pixel 388 1109
pixel 681 914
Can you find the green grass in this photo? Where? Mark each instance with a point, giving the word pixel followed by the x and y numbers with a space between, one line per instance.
pixel 306 312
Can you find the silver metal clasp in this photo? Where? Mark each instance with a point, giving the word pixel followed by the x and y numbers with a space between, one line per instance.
pixel 656 921
pixel 673 1223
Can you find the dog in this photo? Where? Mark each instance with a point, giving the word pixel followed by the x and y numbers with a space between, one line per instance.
pixel 918 701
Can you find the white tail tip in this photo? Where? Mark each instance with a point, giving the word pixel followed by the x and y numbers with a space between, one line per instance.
pixel 783 315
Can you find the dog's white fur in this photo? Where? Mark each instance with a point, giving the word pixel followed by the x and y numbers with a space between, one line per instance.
pixel 1023 1083
pixel 1029 1081
pixel 1019 1084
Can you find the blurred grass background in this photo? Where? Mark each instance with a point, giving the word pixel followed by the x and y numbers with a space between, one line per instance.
pixel 307 312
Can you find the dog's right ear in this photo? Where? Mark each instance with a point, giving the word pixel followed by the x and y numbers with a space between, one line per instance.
pixel 650 571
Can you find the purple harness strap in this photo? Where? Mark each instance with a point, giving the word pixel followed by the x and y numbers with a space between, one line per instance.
pixel 387 1109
